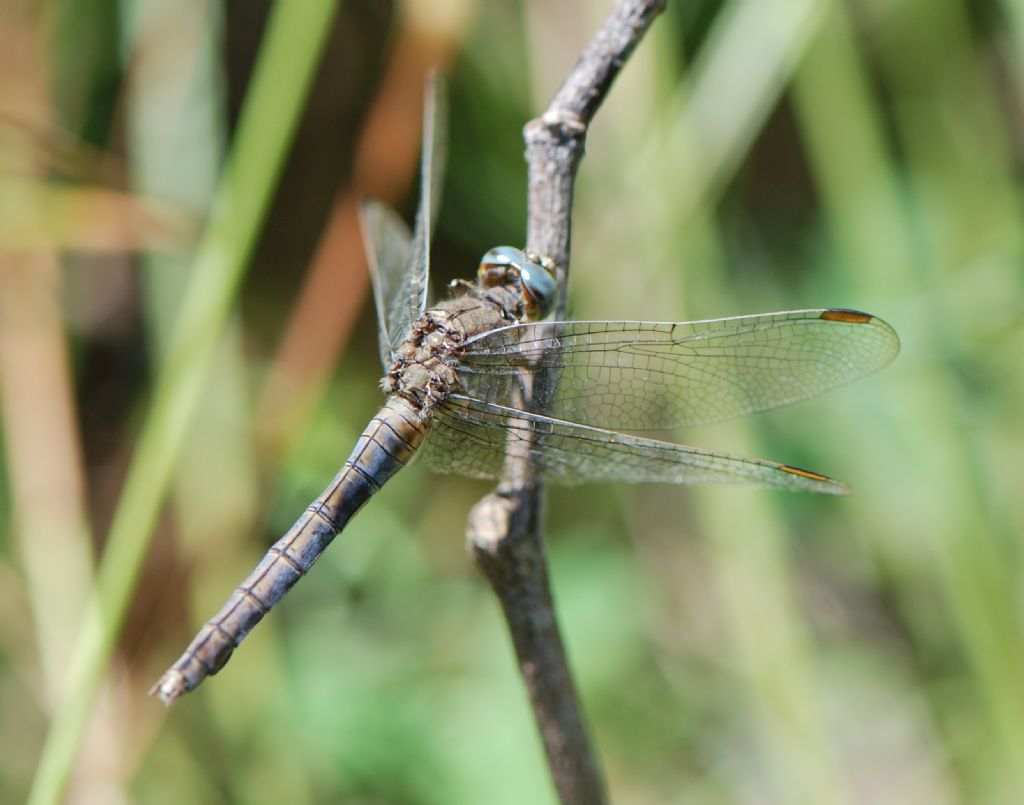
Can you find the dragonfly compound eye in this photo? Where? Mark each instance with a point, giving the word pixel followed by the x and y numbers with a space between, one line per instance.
pixel 540 287
pixel 502 257
pixel 497 264
pixel 530 271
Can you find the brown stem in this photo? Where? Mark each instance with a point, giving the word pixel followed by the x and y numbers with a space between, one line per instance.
pixel 504 535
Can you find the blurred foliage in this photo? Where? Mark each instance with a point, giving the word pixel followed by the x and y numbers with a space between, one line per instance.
pixel 731 645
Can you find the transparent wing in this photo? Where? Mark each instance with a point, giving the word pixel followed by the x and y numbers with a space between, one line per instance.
pixel 474 438
pixel 388 245
pixel 435 116
pixel 655 375
pixel 400 264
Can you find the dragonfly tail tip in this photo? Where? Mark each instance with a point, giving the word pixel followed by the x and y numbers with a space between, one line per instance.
pixel 169 688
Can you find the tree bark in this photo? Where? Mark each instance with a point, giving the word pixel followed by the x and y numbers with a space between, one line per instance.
pixel 504 535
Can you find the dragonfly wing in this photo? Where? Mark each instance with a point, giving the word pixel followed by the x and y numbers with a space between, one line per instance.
pixel 474 437
pixel 388 245
pixel 654 375
pixel 400 262
pixel 411 296
pixel 432 166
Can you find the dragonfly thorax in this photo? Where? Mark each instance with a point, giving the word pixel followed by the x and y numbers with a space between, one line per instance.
pixel 424 367
pixel 512 286
pixel 420 372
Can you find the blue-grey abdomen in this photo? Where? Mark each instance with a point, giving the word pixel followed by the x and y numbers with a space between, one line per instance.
pixel 386 445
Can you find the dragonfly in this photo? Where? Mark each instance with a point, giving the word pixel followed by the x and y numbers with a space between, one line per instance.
pixel 483 377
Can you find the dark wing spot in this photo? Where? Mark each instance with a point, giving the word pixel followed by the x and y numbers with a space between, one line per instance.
pixel 814 476
pixel 848 316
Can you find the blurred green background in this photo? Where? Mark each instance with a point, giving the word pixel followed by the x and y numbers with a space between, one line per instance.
pixel 187 354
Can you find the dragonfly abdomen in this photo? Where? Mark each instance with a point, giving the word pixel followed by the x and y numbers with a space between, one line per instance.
pixel 386 445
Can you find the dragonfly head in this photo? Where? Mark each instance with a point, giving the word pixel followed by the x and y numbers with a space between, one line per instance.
pixel 532 273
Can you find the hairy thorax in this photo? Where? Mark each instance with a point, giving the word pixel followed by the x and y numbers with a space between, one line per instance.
pixel 424 369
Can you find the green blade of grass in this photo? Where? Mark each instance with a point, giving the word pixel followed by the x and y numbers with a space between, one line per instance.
pixel 296 32
pixel 875 232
